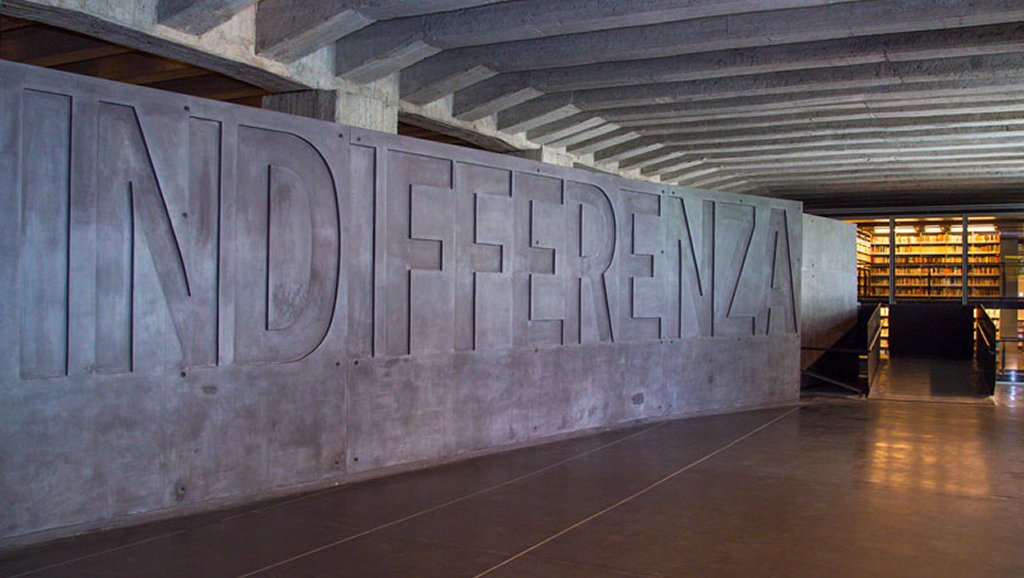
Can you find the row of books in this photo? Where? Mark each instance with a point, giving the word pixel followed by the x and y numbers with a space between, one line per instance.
pixel 935 259
pixel 936 271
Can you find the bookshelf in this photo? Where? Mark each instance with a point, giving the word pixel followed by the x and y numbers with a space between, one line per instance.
pixel 883 337
pixel 929 265
pixel 863 260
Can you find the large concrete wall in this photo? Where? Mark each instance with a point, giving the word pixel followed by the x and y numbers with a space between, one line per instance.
pixel 828 302
pixel 205 302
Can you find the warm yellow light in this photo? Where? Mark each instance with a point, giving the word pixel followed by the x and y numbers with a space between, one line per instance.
pixel 882 230
pixel 933 229
pixel 973 229
pixel 905 230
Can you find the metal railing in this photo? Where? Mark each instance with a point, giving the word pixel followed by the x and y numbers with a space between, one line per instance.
pixel 986 345
pixel 852 363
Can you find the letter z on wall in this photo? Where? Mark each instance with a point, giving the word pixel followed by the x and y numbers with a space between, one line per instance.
pixel 178 274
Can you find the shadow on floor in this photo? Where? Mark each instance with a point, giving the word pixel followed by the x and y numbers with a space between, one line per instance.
pixel 932 379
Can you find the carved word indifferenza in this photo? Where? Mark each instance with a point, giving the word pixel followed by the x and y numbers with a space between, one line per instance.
pixel 253 232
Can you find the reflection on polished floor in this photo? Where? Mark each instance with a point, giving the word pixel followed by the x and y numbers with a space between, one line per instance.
pixel 826 489
pixel 932 379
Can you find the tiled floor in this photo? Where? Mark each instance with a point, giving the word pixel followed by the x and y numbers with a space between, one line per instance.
pixel 931 379
pixel 829 489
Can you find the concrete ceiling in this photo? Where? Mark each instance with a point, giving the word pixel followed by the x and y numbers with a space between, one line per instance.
pixel 828 101
pixel 838 103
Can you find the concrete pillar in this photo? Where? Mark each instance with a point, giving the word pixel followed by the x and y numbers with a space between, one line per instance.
pixel 371 112
pixel 545 154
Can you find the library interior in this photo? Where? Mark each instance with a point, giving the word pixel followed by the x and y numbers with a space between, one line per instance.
pixel 511 288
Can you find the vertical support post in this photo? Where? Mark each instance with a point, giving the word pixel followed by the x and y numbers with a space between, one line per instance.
pixel 965 259
pixel 892 260
pixel 379 114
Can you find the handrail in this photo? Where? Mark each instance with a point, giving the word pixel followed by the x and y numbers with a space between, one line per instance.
pixel 875 339
pixel 843 365
pixel 984 335
pixel 833 381
pixel 986 349
pixel 846 350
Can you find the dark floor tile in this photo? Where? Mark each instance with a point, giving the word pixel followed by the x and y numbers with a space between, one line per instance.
pixel 493 523
pixel 529 567
pixel 938 448
pixel 927 378
pixel 227 548
pixel 375 557
pixel 705 523
pixel 357 506
pixel 680 442
pixel 866 489
pixel 513 517
pixel 66 549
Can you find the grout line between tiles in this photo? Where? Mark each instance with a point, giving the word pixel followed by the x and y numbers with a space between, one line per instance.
pixel 313 495
pixel 633 496
pixel 169 534
pixel 449 502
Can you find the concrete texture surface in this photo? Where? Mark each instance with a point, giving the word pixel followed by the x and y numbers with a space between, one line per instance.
pixel 848 489
pixel 210 303
pixel 871 81
pixel 828 303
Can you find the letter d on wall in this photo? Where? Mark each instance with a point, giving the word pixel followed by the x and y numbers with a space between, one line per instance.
pixel 287 246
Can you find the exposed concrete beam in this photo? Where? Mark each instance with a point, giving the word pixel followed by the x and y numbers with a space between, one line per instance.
pixel 715 181
pixel 603 141
pixel 495 104
pixel 486 97
pixel 739 187
pixel 535 113
pixel 874 175
pixel 824 181
pixel 947 91
pixel 642 160
pixel 563 127
pixel 867 18
pixel 979 203
pixel 197 16
pixel 907 189
pixel 529 19
pixel 997 69
pixel 907 193
pixel 908 112
pixel 675 164
pixel 966 123
pixel 923 197
pixel 1003 67
pixel 290 29
pixel 583 135
pixel 794 165
pixel 858 164
pixel 684 176
pixel 158 40
pixel 627 149
pixel 940 138
pixel 895 148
